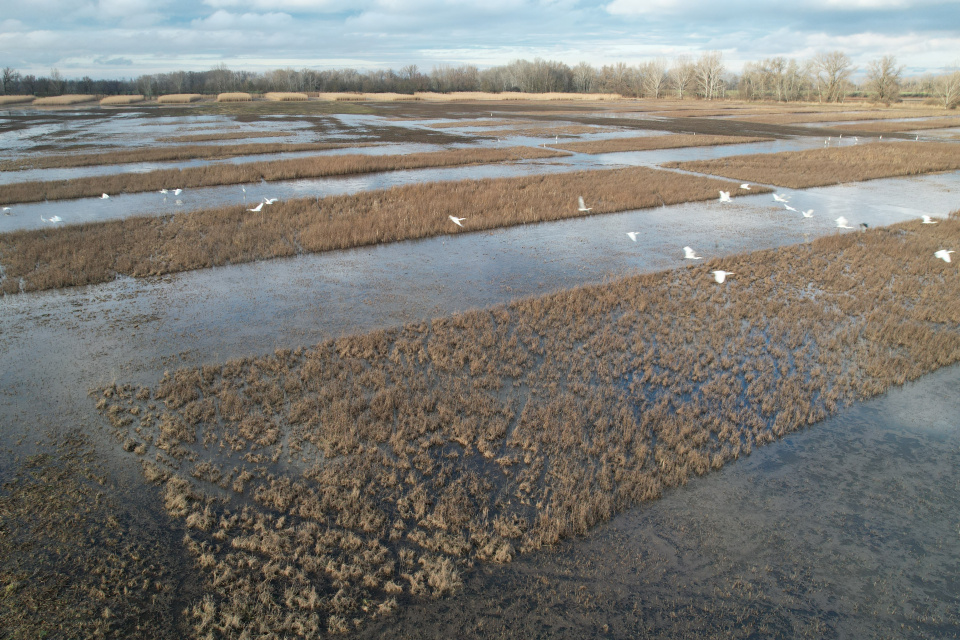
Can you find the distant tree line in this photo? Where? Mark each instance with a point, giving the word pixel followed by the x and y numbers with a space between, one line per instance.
pixel 827 77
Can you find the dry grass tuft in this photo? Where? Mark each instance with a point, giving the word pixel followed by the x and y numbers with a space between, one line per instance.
pixel 648 143
pixel 820 167
pixel 179 98
pixel 96 252
pixel 16 99
pixel 64 100
pixel 235 96
pixel 285 96
pixel 400 457
pixel 120 100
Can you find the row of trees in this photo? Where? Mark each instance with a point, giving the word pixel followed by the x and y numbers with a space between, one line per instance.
pixel 827 77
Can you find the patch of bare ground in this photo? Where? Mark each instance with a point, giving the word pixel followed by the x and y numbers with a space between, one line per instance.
pixel 73 563
pixel 292 169
pixel 907 125
pixel 97 252
pixel 328 485
pixel 165 154
pixel 834 165
pixel 226 135
pixel 647 143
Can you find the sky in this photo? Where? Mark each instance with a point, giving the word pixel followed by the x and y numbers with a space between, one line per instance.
pixel 128 38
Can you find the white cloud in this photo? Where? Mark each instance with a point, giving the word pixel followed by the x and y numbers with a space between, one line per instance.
pixel 224 20
pixel 294 6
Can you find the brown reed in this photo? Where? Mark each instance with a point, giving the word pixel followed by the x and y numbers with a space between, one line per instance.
pixel 179 98
pixel 120 100
pixel 16 99
pixel 647 143
pixel 64 100
pixel 225 135
pixel 234 96
pixel 285 96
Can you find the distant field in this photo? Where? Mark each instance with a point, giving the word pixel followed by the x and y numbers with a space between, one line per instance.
pixel 819 167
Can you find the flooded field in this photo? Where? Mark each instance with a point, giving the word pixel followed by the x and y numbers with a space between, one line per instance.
pixel 845 529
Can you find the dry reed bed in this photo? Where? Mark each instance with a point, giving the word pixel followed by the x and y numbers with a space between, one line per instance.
pixel 120 100
pixel 285 96
pixel 323 486
pixel 235 96
pixel 64 100
pixel 912 125
pixel 180 98
pixel 291 169
pixel 167 154
pixel 834 165
pixel 648 143
pixel 226 135
pixel 97 252
pixel 4 100
pixel 835 115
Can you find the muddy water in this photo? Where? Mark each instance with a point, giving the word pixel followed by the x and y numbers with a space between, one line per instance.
pixel 849 529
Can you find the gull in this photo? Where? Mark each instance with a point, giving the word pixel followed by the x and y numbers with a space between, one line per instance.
pixel 808 213
pixel 104 197
pixel 779 198
pixel 177 192
pixel 943 254
pixel 928 220
pixel 257 208
pixel 456 221
pixel 842 223
pixel 789 208
pixel 745 186
pixel 633 235
pixel 270 200
pixel 719 275
pixel 583 207
pixel 725 196
pixel 691 254
pixel 56 219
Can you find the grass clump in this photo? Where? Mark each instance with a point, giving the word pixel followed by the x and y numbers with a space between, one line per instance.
pixel 648 143
pixel 4 100
pixel 285 96
pixel 234 96
pixel 120 100
pixel 179 98
pixel 64 100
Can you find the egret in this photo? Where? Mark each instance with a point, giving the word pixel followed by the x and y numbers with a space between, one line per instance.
pixel 163 191
pixel 745 186
pixel 789 208
pixel 104 197
pixel 719 275
pixel 779 198
pixel 690 254
pixel 943 254
pixel 725 196
pixel 633 235
pixel 56 219
pixel 842 223
pixel 456 221
pixel 257 208
pixel 177 192
pixel 583 207
pixel 928 220
pixel 808 213
pixel 270 200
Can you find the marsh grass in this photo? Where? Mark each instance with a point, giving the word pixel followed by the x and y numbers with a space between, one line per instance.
pixel 285 96
pixel 16 99
pixel 64 100
pixel 166 154
pixel 180 98
pixel 911 125
pixel 225 135
pixel 120 100
pixel 97 252
pixel 820 167
pixel 235 96
pixel 380 467
pixel 290 169
pixel 647 143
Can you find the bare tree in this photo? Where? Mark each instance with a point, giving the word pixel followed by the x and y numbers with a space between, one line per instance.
pixel 833 71
pixel 9 80
pixel 57 82
pixel 708 73
pixel 946 87
pixel 681 75
pixel 583 77
pixel 883 79
pixel 654 77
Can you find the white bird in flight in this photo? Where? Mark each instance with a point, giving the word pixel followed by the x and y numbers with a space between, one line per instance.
pixel 177 192
pixel 270 200
pixel 928 220
pixel 725 196
pixel 257 208
pixel 56 219
pixel 943 254
pixel 633 235
pixel 456 221
pixel 842 223
pixel 104 197
pixel 719 275
pixel 163 191
pixel 789 208
pixel 779 198
pixel 808 213
pixel 746 186
pixel 690 254
pixel 583 207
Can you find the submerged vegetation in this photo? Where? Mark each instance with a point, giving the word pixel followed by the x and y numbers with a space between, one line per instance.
pixel 97 252
pixel 832 165
pixel 327 485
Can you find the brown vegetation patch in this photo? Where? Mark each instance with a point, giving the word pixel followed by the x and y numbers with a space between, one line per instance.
pixel 827 114
pixel 166 154
pixel 225 135
pixel 648 143
pixel 97 252
pixel 16 99
pixel 180 98
pixel 908 125
pixel 540 131
pixel 235 96
pixel 64 100
pixel 285 96
pixel 292 169
pixel 403 456
pixel 120 100
pixel 834 165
